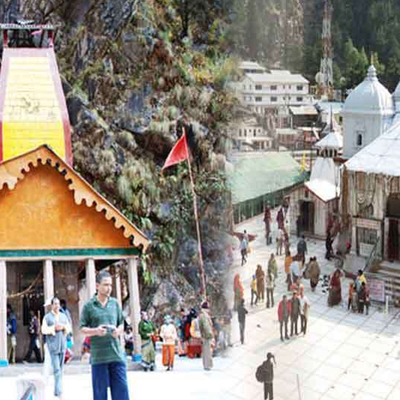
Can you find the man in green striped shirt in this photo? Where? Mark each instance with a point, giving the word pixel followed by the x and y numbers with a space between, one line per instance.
pixel 102 321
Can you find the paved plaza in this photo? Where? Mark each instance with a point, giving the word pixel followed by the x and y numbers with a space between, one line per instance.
pixel 343 356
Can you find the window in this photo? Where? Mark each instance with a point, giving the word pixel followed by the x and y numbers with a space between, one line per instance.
pixel 258 87
pixel 290 86
pixel 274 87
pixel 274 99
pixel 368 236
pixel 359 139
pixel 284 86
pixel 240 132
pixel 245 132
pixel 299 98
pixel 254 133
pixel 258 98
pixel 299 87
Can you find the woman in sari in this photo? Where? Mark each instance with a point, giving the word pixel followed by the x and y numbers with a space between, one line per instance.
pixel 146 332
pixel 335 289
pixel 238 291
pixel 260 277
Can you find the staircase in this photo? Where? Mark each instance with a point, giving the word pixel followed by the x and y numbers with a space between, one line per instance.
pixel 389 272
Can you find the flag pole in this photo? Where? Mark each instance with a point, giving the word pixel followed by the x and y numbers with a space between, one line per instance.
pixel 196 216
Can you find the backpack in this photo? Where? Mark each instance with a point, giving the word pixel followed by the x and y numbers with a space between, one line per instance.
pixel 260 373
pixel 195 329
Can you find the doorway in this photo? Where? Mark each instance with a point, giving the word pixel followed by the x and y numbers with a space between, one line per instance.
pixel 393 240
pixel 307 217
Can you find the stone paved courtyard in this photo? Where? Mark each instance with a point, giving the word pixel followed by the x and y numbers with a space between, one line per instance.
pixel 343 356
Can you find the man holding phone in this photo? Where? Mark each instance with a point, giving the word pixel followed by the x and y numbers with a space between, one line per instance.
pixel 103 322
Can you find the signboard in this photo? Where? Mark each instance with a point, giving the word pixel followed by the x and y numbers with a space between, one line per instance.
pixel 367 223
pixel 366 249
pixel 376 290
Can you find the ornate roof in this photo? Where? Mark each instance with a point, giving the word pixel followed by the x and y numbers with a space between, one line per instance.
pixel 14 170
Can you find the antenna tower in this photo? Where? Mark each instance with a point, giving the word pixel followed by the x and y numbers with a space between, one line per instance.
pixel 326 71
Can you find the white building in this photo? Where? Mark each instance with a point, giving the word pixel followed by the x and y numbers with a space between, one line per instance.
pixel 251 67
pixel 314 206
pixel 249 136
pixel 276 89
pixel 370 204
pixel 367 113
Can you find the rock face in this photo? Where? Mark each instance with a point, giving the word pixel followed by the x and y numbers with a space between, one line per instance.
pixel 286 28
pixel 128 78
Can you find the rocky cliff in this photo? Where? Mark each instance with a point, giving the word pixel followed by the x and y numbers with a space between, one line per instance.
pixel 132 73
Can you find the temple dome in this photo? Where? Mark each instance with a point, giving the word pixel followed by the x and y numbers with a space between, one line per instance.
pixel 369 97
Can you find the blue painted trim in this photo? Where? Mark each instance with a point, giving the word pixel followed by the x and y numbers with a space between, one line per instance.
pixel 69 252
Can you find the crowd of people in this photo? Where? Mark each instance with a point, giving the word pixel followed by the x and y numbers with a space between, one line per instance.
pixel 193 334
pixel 294 306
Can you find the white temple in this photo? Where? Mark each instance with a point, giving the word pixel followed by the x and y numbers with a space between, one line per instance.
pixel 367 113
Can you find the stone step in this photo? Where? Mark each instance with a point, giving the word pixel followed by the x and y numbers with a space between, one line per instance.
pixel 390 273
pixel 73 368
pixel 395 266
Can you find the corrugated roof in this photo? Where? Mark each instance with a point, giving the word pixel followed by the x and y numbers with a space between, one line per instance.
pixel 255 176
pixel 303 110
pixel 252 65
pixel 277 78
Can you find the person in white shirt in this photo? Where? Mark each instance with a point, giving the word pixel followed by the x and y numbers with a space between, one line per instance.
pixel 169 336
pixel 295 270
pixel 304 310
pixel 56 327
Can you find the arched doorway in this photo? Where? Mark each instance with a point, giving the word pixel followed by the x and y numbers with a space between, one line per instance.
pixel 393 215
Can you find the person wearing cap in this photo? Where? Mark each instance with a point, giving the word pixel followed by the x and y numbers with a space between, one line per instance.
pixel 265 374
pixel 169 336
pixel 56 328
pixel 207 337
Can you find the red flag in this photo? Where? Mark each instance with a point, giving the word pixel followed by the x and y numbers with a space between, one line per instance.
pixel 179 152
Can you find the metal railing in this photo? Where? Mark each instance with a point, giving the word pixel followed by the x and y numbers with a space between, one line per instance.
pixel 374 256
